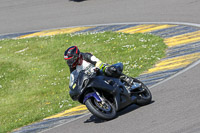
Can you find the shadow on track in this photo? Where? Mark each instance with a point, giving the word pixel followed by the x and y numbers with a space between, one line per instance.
pixel 120 113
pixel 77 0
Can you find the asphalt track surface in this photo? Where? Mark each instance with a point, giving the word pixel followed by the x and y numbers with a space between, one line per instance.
pixel 176 101
pixel 30 15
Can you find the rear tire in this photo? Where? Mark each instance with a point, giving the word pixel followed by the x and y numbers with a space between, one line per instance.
pixel 144 97
pixel 106 113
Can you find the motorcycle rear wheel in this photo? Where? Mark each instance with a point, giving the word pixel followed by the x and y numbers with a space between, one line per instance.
pixel 144 97
pixel 105 112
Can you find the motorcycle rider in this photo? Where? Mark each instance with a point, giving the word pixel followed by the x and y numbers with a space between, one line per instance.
pixel 80 61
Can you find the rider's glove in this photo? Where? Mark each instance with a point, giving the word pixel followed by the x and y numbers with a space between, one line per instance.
pixel 100 65
pixel 109 70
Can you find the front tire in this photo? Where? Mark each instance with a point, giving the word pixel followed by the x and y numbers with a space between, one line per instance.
pixel 105 112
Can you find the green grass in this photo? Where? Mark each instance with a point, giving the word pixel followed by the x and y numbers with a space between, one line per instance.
pixel 34 76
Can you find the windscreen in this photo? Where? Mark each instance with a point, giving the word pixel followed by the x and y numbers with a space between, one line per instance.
pixel 73 77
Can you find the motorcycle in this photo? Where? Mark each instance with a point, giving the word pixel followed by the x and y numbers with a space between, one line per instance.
pixel 103 95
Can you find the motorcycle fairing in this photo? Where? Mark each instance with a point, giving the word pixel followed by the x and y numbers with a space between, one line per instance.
pixel 77 87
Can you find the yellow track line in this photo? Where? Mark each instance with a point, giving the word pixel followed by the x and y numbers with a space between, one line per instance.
pixel 145 28
pixel 183 39
pixel 55 32
pixel 156 27
pixel 73 111
pixel 135 28
pixel 174 63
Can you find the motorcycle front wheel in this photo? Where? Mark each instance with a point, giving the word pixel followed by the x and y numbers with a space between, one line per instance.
pixel 104 111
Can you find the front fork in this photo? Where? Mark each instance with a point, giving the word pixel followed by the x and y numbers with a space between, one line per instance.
pixel 102 99
pixel 95 95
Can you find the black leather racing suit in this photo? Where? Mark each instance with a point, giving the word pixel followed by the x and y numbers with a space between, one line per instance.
pixel 88 59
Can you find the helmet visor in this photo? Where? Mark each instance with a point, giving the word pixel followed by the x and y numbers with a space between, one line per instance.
pixel 72 60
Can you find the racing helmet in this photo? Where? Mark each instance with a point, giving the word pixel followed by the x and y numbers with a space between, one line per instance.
pixel 72 55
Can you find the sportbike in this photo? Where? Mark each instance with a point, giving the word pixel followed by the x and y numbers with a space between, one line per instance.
pixel 103 95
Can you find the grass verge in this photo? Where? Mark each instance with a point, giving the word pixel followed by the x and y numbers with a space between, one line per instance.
pixel 34 76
